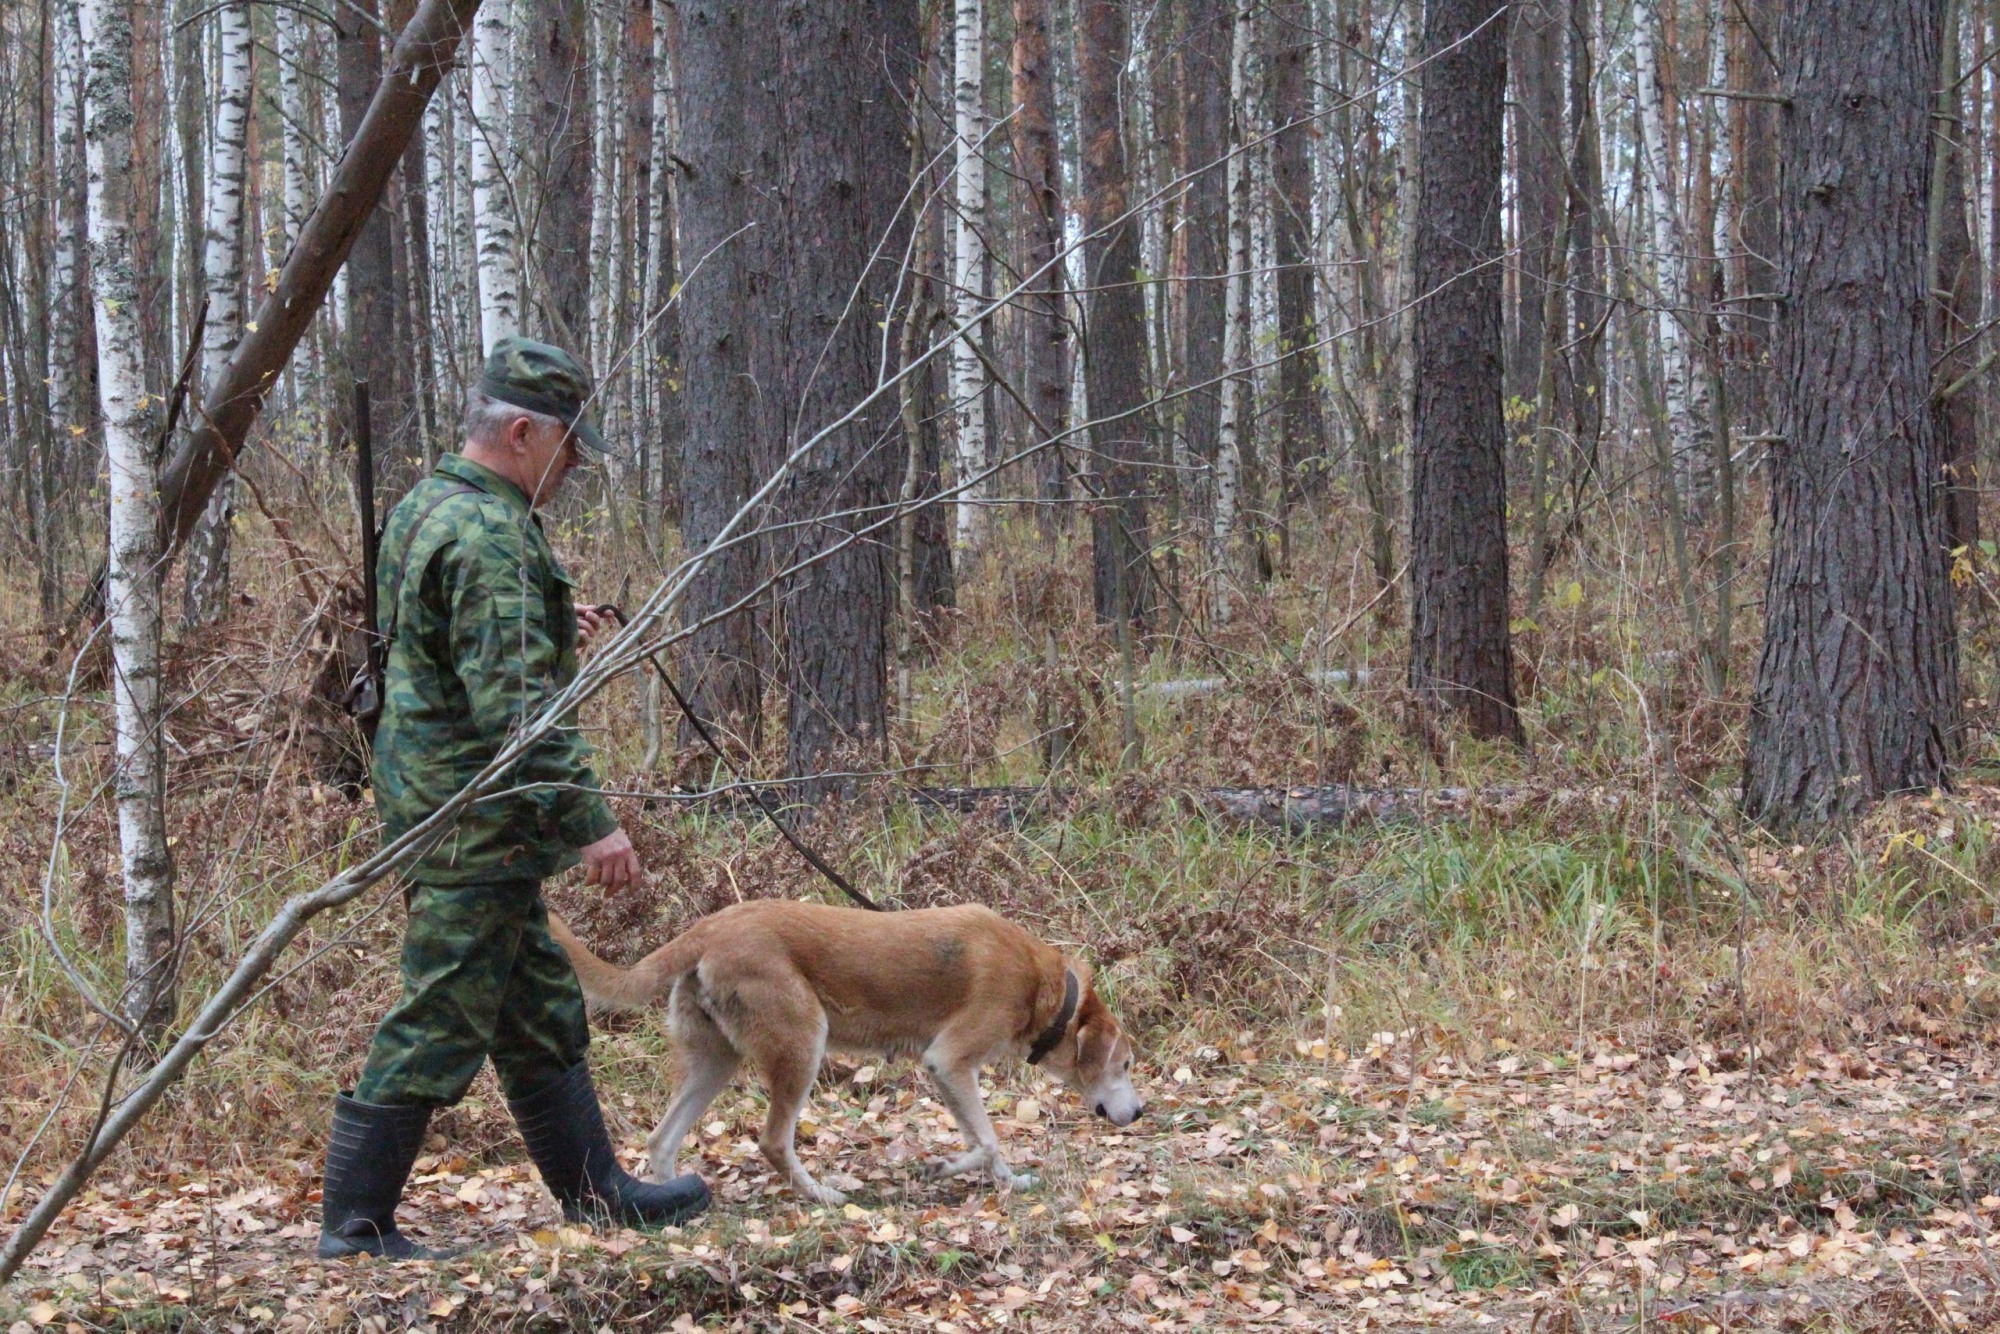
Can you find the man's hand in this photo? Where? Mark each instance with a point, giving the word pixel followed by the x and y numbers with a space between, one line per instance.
pixel 589 621
pixel 611 862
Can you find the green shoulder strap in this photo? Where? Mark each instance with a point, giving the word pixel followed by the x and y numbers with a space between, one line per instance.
pixel 403 566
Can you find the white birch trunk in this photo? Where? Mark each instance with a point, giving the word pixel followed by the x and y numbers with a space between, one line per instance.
pixel 603 188
pixel 968 379
pixel 68 290
pixel 447 275
pixel 1683 388
pixel 662 212
pixel 222 278
pixel 1235 321
pixel 496 236
pixel 132 583
pixel 298 190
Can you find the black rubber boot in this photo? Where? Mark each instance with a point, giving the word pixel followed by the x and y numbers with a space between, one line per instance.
pixel 368 1158
pixel 564 1128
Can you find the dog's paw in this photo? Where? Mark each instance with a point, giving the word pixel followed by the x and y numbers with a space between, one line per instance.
pixel 822 1194
pixel 1021 1181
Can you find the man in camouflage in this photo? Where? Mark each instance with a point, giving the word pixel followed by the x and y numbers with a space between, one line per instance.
pixel 482 630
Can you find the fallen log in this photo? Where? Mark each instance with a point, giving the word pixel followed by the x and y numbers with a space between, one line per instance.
pixel 1297 809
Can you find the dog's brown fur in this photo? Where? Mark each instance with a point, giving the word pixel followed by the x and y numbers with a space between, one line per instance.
pixel 781 982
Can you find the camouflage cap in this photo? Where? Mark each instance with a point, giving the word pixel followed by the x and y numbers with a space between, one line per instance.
pixel 543 379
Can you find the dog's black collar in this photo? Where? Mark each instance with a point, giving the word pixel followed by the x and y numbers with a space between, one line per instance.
pixel 1046 1040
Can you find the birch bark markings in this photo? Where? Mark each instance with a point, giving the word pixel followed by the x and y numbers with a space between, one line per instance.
pixel 968 381
pixel 1685 387
pixel 1236 387
pixel 496 237
pixel 132 582
pixel 207 591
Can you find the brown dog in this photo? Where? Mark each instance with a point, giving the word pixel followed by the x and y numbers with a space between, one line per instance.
pixel 781 982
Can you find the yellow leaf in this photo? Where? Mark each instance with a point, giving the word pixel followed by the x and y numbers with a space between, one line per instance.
pixel 251 325
pixel 41 1313
pixel 441 1307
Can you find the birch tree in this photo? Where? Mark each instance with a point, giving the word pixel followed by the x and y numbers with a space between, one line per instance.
pixel 132 580
pixel 968 381
pixel 1685 389
pixel 1236 317
pixel 496 235
pixel 207 591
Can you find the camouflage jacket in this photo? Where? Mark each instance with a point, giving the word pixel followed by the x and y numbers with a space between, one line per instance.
pixel 481 629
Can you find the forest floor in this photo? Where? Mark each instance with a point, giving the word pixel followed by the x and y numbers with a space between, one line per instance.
pixel 1580 1053
pixel 1852 1191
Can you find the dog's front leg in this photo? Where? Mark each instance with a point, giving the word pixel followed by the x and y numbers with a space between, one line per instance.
pixel 958 1085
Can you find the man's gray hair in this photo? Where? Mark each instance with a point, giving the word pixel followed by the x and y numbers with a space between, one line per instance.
pixel 487 419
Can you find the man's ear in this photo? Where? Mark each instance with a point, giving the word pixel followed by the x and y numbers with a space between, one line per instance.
pixel 518 432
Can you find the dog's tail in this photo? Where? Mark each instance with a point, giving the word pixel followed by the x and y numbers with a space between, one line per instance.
pixel 608 987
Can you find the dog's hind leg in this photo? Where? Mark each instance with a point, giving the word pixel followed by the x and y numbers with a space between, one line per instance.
pixel 787 1043
pixel 957 1081
pixel 708 1062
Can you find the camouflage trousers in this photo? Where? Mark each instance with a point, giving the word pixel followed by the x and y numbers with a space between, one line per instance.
pixel 481 977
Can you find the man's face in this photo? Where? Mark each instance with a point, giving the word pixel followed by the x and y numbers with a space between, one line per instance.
pixel 547 450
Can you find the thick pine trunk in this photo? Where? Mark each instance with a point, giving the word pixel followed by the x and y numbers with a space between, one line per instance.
pixel 1857 691
pixel 207 592
pixel 843 164
pixel 1115 341
pixel 553 44
pixel 724 172
pixel 132 577
pixel 1038 159
pixel 1461 658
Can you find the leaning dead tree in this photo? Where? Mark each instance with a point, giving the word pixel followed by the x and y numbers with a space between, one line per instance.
pixel 420 58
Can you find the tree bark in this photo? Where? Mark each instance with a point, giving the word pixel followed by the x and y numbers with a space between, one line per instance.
pixel 1685 397
pixel 1461 657
pixel 1857 691
pixel 1953 279
pixel 373 295
pixel 1205 68
pixel 724 172
pixel 1038 159
pixel 71 353
pixel 555 196
pixel 1233 422
pixel 493 158
pixel 968 267
pixel 207 592
pixel 842 169
pixel 1535 66
pixel 1115 345
pixel 1301 424
pixel 132 582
